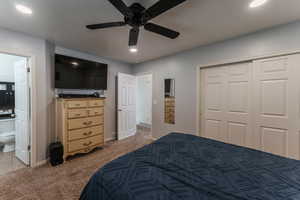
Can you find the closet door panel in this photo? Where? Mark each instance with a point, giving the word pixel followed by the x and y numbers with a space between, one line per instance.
pixel 214 99
pixel 254 104
pixel 226 104
pixel 238 112
pixel 275 95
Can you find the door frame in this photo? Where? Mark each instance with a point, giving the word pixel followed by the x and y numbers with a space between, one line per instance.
pixel 32 122
pixel 143 74
pixel 227 62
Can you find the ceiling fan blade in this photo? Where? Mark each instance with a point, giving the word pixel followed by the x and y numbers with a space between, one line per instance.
pixel 134 36
pixel 122 7
pixel 105 25
pixel 161 30
pixel 160 7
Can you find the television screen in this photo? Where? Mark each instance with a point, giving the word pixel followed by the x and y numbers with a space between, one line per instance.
pixel 74 73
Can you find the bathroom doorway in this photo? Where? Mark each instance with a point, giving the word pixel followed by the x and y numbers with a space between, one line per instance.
pixel 14 113
pixel 144 102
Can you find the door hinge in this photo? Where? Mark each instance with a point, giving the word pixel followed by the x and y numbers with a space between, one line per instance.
pixel 28 69
pixel 28 147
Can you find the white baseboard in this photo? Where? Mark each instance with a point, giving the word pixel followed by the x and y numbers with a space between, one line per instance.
pixel 41 163
pixel 154 138
pixel 109 139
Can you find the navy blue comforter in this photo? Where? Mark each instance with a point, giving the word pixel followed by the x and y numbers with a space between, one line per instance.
pixel 186 167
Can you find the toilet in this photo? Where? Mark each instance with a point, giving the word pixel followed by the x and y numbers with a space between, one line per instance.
pixel 7 139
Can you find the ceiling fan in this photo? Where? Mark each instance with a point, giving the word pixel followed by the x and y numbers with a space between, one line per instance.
pixel 137 16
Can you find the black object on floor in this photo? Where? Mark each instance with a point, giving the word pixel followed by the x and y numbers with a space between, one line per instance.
pixel 56 150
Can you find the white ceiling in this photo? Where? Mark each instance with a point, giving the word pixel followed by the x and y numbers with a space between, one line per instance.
pixel 199 22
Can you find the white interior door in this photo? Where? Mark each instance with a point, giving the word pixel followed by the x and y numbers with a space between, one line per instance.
pixel 126 105
pixel 254 104
pixel 22 111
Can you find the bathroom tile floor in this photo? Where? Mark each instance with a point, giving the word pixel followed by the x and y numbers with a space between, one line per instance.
pixel 9 163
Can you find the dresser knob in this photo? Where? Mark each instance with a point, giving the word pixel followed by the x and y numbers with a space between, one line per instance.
pixel 89 133
pixel 87 144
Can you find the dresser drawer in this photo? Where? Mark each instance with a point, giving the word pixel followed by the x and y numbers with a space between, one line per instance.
pixel 85 132
pixel 77 104
pixel 76 113
pixel 169 115
pixel 96 103
pixel 97 130
pixel 169 103
pixel 96 111
pixel 98 120
pixel 85 143
pixel 169 109
pixel 84 122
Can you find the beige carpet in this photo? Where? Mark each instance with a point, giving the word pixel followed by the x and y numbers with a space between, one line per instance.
pixel 66 181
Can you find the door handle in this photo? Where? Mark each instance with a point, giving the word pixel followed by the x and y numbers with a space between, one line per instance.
pixel 120 110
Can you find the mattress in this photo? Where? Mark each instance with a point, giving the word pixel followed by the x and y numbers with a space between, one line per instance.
pixel 185 167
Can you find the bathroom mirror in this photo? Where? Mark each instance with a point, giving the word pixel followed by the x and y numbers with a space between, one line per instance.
pixel 169 89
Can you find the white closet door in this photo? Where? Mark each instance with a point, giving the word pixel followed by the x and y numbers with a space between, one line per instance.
pixel 226 103
pixel 238 107
pixel 255 105
pixel 214 104
pixel 276 94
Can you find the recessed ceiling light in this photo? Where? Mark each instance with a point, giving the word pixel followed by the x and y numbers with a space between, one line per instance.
pixel 133 49
pixel 24 9
pixel 257 3
pixel 75 63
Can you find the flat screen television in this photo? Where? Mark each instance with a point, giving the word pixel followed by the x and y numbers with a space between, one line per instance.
pixel 75 73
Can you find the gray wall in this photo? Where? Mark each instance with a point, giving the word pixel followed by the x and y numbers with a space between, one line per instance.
pixel 42 53
pixel 183 66
pixel 21 44
pixel 113 68
pixel 7 64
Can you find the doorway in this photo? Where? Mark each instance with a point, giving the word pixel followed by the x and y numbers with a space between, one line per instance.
pixel 144 101
pixel 14 113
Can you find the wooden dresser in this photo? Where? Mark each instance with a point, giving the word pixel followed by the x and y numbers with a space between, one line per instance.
pixel 80 124
pixel 170 110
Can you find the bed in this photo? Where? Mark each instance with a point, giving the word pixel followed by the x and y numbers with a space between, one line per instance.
pixel 185 167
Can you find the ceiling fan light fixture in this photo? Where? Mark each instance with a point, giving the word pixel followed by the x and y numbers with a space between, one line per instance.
pixel 257 3
pixel 137 16
pixel 133 49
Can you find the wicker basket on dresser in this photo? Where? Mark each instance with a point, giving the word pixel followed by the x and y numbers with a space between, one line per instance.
pixel 80 124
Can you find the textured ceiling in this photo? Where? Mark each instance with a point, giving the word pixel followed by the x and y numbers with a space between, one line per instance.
pixel 199 21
